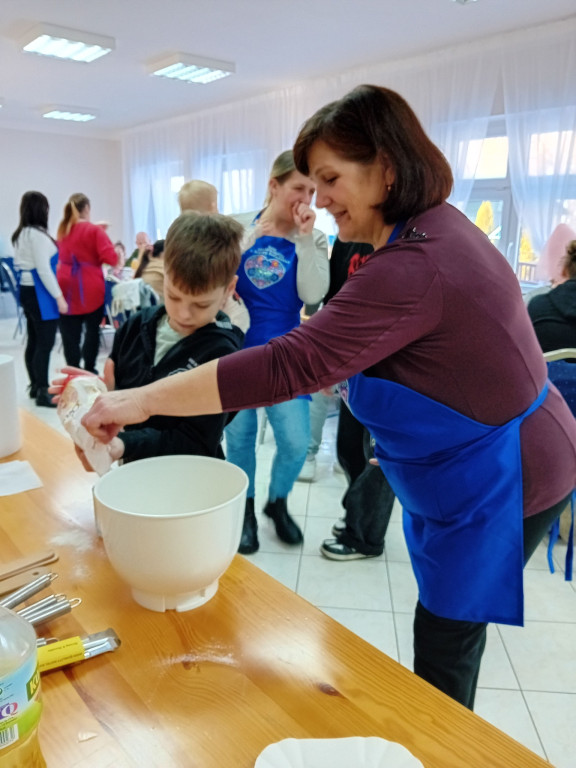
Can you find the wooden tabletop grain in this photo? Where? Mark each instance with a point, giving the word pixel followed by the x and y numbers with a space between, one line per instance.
pixel 212 687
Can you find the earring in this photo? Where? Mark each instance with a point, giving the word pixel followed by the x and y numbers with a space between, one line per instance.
pixel 389 187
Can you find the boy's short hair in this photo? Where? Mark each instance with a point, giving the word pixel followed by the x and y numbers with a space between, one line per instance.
pixel 198 196
pixel 202 251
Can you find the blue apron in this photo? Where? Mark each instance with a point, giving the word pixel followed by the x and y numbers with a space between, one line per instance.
pixel 46 302
pixel 460 484
pixel 267 284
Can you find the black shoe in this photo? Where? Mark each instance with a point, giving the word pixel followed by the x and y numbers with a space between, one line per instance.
pixel 32 391
pixel 249 541
pixel 286 529
pixel 44 398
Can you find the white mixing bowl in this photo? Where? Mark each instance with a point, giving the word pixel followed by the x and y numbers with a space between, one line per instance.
pixel 171 526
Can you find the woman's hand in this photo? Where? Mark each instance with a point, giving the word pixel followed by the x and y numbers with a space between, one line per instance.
pixel 114 410
pixel 304 218
pixel 62 305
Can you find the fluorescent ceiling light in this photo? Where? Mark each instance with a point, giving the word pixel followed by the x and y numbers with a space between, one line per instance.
pixel 464 2
pixel 190 68
pixel 63 43
pixel 76 114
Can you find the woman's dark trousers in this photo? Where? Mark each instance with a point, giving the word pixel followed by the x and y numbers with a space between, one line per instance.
pixel 41 336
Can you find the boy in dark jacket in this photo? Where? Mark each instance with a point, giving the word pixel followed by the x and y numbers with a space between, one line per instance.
pixel 202 255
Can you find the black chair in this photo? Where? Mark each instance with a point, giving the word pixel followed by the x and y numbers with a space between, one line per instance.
pixel 9 279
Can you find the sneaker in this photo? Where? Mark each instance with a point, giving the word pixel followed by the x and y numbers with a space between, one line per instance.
pixel 339 527
pixel 308 471
pixel 334 550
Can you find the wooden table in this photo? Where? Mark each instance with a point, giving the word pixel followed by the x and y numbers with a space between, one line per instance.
pixel 212 687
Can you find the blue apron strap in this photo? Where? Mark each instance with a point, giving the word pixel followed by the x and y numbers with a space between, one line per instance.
pixel 554 534
pixel 76 271
pixel 570 552
pixel 396 231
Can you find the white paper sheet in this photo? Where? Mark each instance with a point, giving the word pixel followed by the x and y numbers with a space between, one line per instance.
pixel 16 477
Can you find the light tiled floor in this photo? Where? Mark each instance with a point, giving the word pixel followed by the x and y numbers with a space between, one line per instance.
pixel 527 683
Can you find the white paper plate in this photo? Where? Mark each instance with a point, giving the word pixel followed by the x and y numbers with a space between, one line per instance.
pixel 371 752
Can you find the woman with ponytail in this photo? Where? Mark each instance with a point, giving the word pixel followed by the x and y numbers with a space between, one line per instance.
pixel 83 249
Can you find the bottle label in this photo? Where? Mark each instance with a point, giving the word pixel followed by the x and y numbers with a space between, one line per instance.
pixel 20 706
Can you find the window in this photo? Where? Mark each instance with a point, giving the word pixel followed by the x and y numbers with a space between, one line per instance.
pixel 490 203
pixel 237 190
pixel 551 153
pixel 487 158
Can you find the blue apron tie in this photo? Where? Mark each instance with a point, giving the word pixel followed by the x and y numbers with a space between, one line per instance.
pixel 76 273
pixel 555 533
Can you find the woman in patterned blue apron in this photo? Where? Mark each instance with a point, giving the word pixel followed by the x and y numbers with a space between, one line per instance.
pixel 284 265
pixel 439 361
pixel 35 257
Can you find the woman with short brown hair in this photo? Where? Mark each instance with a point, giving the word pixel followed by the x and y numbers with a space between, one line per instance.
pixel 438 360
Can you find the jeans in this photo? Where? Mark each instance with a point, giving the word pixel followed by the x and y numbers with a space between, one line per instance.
pixel 71 329
pixel 290 422
pixel 41 336
pixel 369 499
pixel 318 413
pixel 447 652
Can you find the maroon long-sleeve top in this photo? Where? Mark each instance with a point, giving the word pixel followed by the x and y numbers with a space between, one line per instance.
pixel 440 311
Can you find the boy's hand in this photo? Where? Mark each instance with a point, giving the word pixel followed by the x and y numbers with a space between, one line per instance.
pixel 304 218
pixel 116 452
pixel 57 385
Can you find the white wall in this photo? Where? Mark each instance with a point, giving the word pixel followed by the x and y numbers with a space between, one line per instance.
pixel 58 166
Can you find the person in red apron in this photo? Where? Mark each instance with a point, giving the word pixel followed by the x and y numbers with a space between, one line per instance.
pixel 35 257
pixel 83 249
pixel 442 366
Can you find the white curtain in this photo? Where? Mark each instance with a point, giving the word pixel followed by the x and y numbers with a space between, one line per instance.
pixel 540 110
pixel 233 146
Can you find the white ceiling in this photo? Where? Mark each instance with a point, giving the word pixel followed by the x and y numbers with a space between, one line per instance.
pixel 274 43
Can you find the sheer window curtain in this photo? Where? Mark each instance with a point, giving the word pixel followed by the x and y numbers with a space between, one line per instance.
pixel 540 98
pixel 451 91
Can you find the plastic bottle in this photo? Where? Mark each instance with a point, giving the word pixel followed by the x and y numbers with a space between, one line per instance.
pixel 20 705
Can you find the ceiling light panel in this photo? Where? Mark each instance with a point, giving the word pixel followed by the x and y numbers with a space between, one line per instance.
pixel 63 43
pixel 74 114
pixel 190 68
